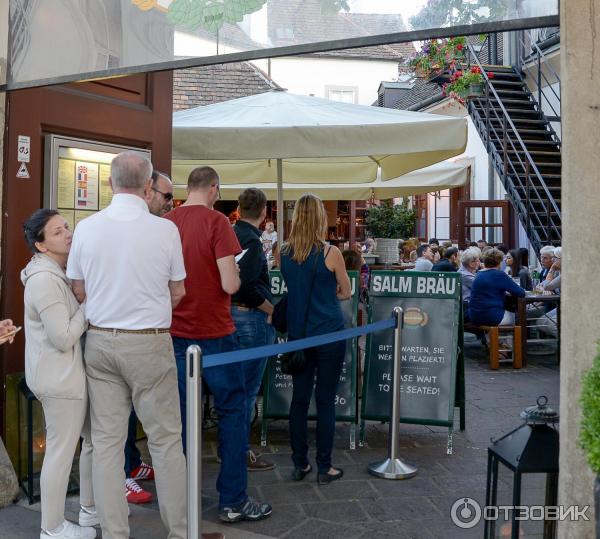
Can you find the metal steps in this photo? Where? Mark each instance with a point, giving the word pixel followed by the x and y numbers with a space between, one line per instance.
pixel 536 197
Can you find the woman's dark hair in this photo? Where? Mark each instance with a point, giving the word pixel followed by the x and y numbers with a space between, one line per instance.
pixel 524 257
pixel 34 227
pixel 516 265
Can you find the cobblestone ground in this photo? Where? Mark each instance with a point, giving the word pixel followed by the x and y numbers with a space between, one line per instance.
pixel 363 506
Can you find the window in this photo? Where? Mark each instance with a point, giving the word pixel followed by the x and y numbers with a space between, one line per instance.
pixel 344 94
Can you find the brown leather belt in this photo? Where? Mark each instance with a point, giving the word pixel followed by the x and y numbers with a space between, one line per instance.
pixel 135 331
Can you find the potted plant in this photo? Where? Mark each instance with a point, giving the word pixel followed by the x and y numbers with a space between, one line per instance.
pixel 387 223
pixel 438 58
pixel 589 437
pixel 466 84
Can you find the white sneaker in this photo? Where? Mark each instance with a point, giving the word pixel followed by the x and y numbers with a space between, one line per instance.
pixel 88 516
pixel 70 531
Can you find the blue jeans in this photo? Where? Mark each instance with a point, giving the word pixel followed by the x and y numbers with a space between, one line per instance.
pixel 327 360
pixel 226 383
pixel 252 330
pixel 132 454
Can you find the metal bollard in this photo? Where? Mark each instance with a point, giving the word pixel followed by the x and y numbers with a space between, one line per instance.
pixel 193 360
pixel 393 467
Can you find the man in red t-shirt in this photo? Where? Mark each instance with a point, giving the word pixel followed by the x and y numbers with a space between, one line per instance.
pixel 203 317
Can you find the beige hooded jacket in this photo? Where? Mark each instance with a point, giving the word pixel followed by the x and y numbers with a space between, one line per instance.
pixel 54 324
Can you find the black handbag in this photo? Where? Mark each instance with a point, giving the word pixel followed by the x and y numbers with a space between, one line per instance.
pixel 295 362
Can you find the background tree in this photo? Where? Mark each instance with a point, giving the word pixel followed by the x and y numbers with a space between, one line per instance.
pixel 440 13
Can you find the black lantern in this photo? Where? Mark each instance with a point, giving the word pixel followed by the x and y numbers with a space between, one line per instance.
pixel 531 448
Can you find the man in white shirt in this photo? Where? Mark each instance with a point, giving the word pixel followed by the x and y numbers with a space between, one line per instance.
pixel 128 266
pixel 424 260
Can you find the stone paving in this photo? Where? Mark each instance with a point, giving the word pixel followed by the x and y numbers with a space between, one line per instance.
pixel 360 505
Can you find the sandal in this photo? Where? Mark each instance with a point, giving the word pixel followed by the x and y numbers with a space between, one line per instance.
pixel 299 474
pixel 326 478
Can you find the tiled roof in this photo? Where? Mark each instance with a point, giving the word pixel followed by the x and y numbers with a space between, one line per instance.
pixel 212 84
pixel 292 22
pixel 421 91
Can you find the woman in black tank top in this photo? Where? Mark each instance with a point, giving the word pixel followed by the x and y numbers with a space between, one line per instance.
pixel 307 263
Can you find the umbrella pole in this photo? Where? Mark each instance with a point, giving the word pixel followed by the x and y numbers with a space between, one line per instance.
pixel 280 217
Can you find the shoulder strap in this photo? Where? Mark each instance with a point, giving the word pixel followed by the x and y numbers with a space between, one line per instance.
pixel 310 289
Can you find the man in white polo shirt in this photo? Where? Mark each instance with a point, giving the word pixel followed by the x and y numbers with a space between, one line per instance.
pixel 128 266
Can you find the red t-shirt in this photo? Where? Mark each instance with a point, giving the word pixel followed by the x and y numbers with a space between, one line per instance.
pixel 205 310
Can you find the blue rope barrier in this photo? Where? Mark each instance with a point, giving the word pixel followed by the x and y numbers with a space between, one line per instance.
pixel 247 354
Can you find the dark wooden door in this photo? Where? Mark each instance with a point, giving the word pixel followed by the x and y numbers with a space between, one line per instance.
pixel 489 220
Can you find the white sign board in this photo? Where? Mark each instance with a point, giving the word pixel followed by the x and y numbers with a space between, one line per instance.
pixel 23 149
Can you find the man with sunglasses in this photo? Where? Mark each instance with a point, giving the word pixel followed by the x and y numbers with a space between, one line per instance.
pixel 160 196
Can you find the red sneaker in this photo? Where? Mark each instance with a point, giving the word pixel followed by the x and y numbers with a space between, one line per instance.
pixel 143 471
pixel 136 494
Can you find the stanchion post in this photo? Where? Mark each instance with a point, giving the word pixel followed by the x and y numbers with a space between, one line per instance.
pixel 193 360
pixel 393 467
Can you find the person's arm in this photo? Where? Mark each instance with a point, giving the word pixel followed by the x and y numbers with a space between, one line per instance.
pixel 78 286
pixel 553 285
pixel 335 262
pixel 511 287
pixel 230 274
pixel 525 279
pixel 251 267
pixel 177 291
pixel 7 331
pixel 48 300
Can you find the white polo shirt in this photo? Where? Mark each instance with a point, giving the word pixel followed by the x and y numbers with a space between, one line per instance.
pixel 127 256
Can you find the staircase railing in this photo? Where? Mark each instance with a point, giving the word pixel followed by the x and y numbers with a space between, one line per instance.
pixel 522 170
pixel 544 85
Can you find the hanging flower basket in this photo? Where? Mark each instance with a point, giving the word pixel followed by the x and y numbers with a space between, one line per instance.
pixel 466 84
pixel 476 89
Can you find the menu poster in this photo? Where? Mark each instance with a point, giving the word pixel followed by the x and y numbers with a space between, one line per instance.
pixel 81 215
pixel 86 191
pixel 105 190
pixel 69 216
pixel 66 183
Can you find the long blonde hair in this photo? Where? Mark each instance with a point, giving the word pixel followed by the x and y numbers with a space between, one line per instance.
pixel 309 226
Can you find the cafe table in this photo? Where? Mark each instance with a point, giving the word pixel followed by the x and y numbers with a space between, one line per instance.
pixel 530 298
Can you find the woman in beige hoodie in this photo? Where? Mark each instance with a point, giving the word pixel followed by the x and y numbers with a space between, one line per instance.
pixel 54 324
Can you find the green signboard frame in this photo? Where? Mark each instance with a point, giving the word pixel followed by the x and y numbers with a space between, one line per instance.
pixel 428 298
pixel 277 387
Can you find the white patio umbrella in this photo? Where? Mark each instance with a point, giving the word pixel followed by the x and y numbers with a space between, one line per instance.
pixel 278 136
pixel 444 175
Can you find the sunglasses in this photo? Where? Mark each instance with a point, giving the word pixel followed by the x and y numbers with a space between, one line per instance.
pixel 168 196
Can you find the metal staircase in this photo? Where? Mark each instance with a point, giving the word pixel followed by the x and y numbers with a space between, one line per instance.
pixel 524 148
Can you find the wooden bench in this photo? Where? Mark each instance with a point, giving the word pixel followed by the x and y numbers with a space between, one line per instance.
pixel 494 345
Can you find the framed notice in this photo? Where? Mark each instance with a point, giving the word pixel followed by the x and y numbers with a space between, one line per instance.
pixel 66 184
pixel 430 347
pixel 105 190
pixel 76 173
pixel 278 387
pixel 86 185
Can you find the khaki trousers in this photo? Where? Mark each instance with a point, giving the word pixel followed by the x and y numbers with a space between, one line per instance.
pixel 123 368
pixel 66 421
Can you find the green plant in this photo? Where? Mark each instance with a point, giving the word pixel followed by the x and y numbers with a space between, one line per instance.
pixel 390 220
pixel 439 54
pixel 589 437
pixel 459 84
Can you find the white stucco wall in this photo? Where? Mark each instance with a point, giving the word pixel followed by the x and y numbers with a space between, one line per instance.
pixel 308 75
pixel 479 179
